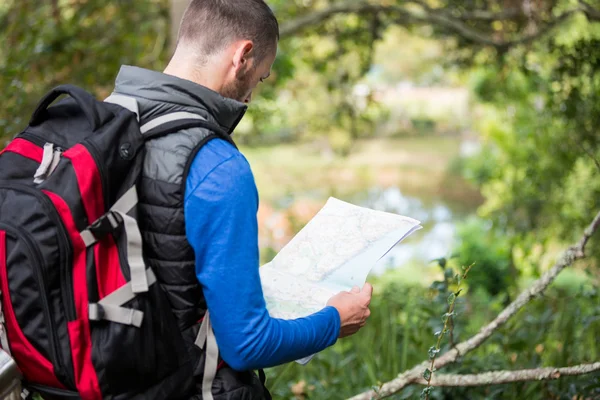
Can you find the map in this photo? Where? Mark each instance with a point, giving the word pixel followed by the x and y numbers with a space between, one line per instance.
pixel 332 253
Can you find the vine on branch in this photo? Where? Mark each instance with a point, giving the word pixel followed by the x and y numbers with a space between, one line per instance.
pixel 448 325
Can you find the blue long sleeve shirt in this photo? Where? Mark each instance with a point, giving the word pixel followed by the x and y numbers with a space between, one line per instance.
pixel 221 202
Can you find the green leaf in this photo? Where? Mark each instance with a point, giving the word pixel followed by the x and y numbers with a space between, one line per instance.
pixel 432 352
pixel 451 298
pixel 458 279
pixel 427 374
pixel 457 293
pixel 439 286
pixel 441 262
pixel 425 393
pixel 446 316
pixel 448 273
pixel 438 333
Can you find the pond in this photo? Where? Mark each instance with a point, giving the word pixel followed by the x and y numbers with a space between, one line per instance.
pixel 408 176
pixel 439 217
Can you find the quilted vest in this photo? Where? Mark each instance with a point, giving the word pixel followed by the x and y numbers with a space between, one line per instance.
pixel 161 218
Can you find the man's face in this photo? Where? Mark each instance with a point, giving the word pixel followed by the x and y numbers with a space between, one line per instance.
pixel 240 88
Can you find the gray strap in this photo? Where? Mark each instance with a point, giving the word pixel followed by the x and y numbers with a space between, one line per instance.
pixel 122 206
pixel 121 315
pixel 202 333
pixel 55 161
pixel 176 116
pixel 127 201
pixel 88 238
pixel 3 336
pixel 127 102
pixel 125 293
pixel 135 259
pixel 211 360
pixel 134 238
pixel 109 308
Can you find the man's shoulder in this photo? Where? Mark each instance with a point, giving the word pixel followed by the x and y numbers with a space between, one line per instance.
pixel 221 157
pixel 217 152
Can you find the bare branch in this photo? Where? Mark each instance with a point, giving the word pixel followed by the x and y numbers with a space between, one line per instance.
pixel 291 27
pixel 477 37
pixel 482 15
pixel 590 12
pixel 589 232
pixel 501 377
pixel 413 375
pixel 435 16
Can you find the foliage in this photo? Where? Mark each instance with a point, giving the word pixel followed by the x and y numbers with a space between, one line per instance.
pixel 447 318
pixel 559 329
pixel 539 169
pixel 491 252
pixel 48 43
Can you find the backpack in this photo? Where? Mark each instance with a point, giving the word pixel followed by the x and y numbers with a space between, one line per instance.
pixel 81 314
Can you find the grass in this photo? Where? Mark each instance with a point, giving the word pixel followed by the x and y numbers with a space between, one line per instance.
pixel 556 330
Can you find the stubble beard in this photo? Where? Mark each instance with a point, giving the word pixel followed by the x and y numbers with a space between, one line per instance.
pixel 238 89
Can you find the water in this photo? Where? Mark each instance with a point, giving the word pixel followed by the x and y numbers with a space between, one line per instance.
pixel 439 218
pixel 435 240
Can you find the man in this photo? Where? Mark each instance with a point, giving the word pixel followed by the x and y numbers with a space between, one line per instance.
pixel 199 200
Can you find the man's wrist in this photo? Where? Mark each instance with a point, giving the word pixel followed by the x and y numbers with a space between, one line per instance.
pixel 336 321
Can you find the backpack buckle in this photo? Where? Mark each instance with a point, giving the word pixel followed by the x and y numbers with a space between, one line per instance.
pixel 105 224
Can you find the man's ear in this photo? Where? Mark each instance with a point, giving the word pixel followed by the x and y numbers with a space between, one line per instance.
pixel 243 58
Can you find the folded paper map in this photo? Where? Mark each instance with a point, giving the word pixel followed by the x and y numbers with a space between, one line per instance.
pixel 335 251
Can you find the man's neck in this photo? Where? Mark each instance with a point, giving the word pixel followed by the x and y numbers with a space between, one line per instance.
pixel 206 75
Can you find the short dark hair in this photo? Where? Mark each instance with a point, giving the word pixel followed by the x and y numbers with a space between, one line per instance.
pixel 213 24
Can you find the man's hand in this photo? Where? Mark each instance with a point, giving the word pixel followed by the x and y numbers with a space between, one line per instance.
pixel 353 307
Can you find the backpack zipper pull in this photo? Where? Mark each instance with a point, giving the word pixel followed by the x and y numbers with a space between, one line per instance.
pixel 50 160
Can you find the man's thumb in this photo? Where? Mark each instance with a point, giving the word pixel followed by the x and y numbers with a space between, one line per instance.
pixel 367 289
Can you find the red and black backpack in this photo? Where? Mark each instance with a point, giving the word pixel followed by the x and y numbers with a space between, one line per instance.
pixel 82 314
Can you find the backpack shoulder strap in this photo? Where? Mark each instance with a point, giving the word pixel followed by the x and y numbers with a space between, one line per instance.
pixel 177 121
pixel 166 123
pixel 127 102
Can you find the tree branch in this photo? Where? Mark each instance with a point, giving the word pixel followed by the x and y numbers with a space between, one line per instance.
pixel 55 11
pixel 483 15
pixel 475 36
pixel 590 12
pixel 413 375
pixel 440 16
pixel 294 26
pixel 500 377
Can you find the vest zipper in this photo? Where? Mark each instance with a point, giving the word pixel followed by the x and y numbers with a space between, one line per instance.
pixel 41 278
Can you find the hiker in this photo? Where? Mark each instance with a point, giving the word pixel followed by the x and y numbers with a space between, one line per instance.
pixel 134 273
pixel 225 48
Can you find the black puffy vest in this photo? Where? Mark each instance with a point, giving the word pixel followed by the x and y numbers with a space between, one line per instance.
pixel 161 217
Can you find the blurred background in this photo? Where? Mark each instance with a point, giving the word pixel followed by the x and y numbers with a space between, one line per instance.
pixel 480 118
